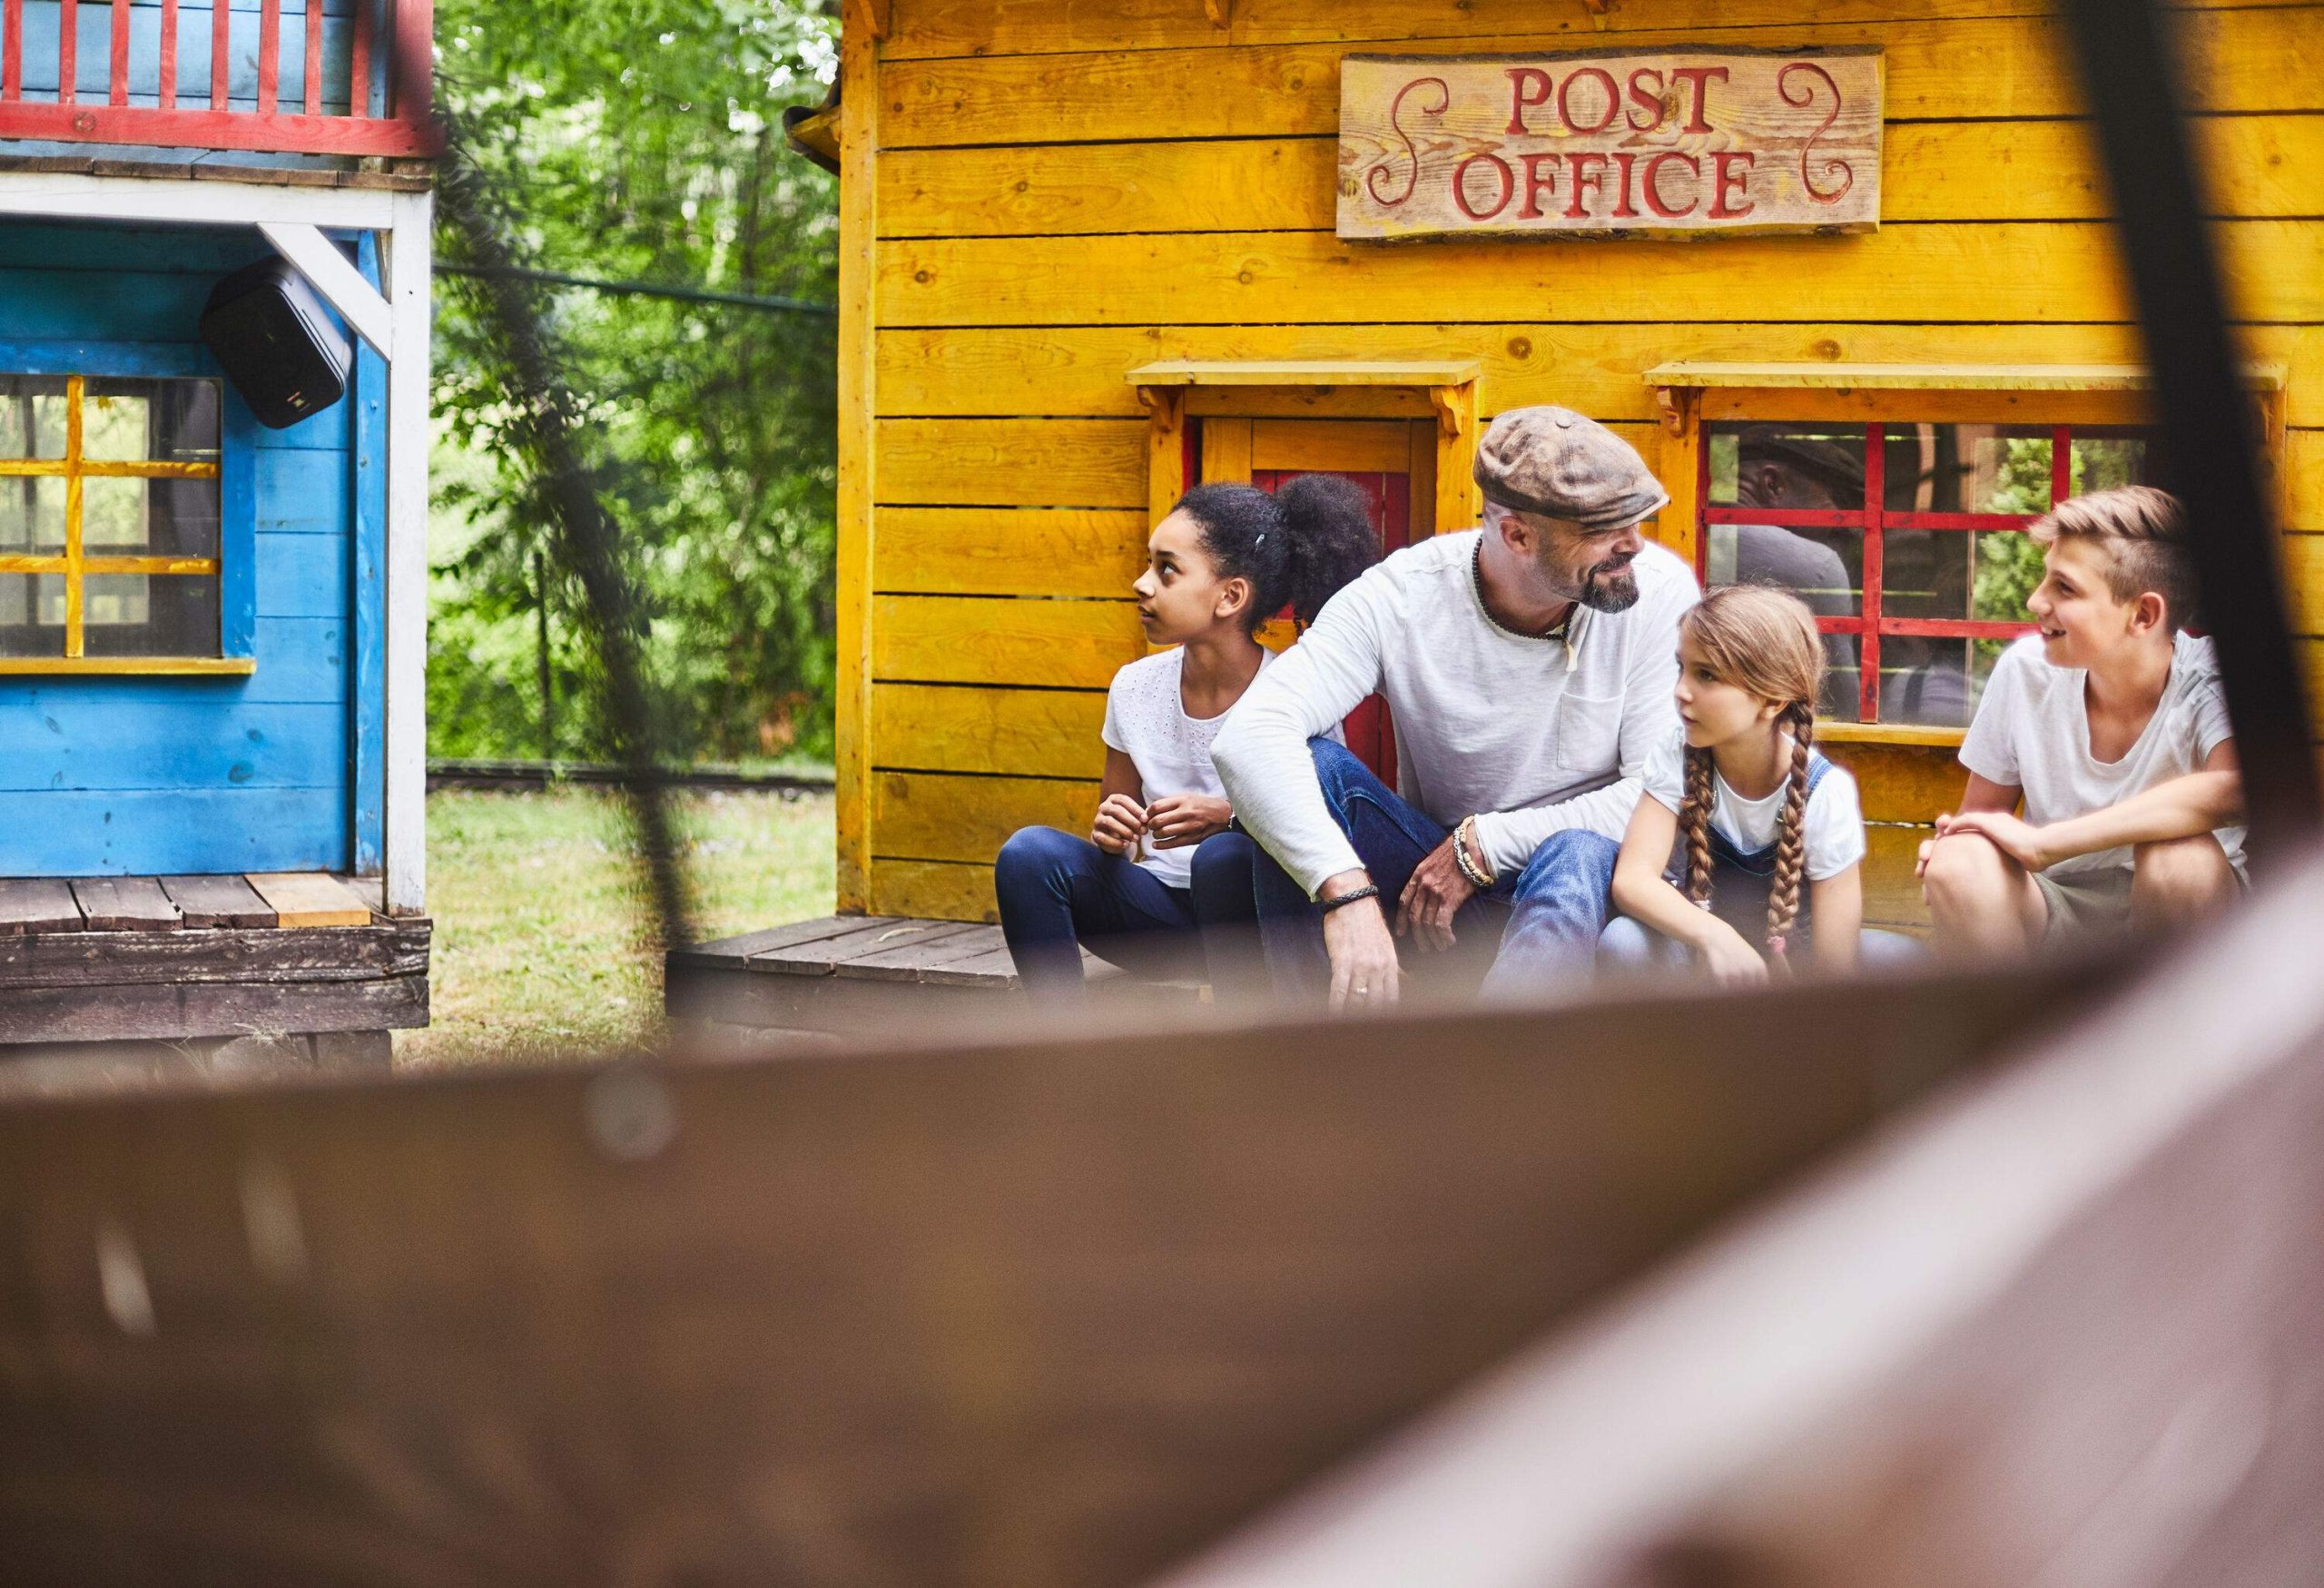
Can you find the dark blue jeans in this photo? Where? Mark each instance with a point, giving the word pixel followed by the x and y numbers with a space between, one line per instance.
pixel 1059 894
pixel 1546 919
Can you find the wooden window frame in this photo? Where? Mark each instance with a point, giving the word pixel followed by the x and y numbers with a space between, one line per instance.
pixel 235 471
pixel 1692 396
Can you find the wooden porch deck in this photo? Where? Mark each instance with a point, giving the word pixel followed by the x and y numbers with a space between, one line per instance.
pixel 113 958
pixel 858 974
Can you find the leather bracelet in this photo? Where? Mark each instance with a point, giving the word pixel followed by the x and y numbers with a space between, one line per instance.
pixel 1369 890
pixel 1462 836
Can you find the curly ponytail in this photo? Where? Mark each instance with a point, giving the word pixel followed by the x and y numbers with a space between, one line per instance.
pixel 1297 548
pixel 1791 837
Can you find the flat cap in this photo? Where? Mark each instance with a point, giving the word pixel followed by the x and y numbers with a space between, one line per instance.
pixel 1554 461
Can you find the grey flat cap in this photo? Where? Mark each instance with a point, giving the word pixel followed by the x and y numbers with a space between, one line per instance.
pixel 1554 461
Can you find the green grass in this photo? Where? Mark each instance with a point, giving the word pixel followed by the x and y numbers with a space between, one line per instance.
pixel 539 954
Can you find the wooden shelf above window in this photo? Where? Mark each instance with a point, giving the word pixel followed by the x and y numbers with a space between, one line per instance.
pixel 1307 372
pixel 1710 375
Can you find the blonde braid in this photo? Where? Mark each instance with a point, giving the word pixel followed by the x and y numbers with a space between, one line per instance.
pixel 1791 835
pixel 1694 824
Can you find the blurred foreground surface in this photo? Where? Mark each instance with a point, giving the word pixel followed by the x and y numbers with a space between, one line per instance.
pixel 538 952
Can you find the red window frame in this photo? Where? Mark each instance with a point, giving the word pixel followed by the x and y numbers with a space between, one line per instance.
pixel 1874 519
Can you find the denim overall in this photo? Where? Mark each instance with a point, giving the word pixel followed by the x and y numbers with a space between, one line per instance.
pixel 1741 881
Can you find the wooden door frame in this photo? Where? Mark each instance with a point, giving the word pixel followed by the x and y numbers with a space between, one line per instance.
pixel 1177 390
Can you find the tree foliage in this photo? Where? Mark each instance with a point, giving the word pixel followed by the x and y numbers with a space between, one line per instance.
pixel 644 143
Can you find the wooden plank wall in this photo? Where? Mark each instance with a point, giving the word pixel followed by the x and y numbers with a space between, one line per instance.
pixel 179 774
pixel 1063 192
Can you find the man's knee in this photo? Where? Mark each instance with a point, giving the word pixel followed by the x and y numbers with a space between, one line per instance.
pixel 1574 851
pixel 2191 872
pixel 1964 869
pixel 1337 765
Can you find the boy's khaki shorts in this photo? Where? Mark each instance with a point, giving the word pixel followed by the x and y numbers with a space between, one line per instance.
pixel 2088 906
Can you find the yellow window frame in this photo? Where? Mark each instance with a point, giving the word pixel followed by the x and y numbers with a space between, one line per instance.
pixel 75 563
pixel 1692 394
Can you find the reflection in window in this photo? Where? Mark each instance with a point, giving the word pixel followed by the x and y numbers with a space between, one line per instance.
pixel 1918 581
pixel 109 516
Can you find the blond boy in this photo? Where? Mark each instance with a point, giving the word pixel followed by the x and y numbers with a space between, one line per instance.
pixel 2110 725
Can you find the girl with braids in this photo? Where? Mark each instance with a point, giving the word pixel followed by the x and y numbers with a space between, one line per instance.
pixel 1227 558
pixel 1768 834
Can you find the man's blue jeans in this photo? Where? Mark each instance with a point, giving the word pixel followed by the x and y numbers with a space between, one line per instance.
pixel 1547 918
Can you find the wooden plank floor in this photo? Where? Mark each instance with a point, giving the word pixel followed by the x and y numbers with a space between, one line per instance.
pixel 113 959
pixel 859 974
pixel 275 900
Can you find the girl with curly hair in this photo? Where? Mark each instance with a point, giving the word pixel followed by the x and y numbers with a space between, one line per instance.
pixel 1226 559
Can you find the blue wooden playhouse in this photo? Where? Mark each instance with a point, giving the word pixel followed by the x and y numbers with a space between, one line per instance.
pixel 212 634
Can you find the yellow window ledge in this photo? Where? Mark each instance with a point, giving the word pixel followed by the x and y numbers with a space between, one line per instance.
pixel 145 666
pixel 1888 733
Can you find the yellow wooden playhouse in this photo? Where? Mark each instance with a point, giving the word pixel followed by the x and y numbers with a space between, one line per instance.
pixel 1093 254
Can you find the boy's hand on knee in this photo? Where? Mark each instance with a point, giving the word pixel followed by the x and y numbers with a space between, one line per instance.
pixel 1120 821
pixel 1432 898
pixel 2014 836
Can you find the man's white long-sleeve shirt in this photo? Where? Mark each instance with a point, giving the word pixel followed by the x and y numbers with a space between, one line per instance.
pixel 1529 735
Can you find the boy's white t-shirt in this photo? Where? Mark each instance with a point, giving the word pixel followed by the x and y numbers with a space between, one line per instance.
pixel 2031 731
pixel 1146 720
pixel 1832 827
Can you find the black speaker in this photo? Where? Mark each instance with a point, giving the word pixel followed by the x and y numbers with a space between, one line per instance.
pixel 277 343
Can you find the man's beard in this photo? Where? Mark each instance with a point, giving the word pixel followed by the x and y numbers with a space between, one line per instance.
pixel 1609 587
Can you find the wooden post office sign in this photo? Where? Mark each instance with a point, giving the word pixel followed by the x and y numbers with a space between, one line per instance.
pixel 1610 143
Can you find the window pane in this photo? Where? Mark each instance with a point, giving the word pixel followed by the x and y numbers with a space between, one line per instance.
pixel 1966 469
pixel 1824 568
pixel 139 421
pixel 32 516
pixel 2104 459
pixel 150 615
pixel 31 615
pixel 1934 683
pixel 1954 574
pixel 32 416
pixel 1792 467
pixel 156 518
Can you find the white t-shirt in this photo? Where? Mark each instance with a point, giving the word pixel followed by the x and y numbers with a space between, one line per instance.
pixel 1832 825
pixel 1146 720
pixel 1531 734
pixel 2033 732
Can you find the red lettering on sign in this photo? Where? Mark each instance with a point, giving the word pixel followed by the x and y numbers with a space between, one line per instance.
pixel 1653 183
pixel 1605 85
pixel 1522 78
pixel 1726 179
pixel 1589 172
pixel 1460 186
pixel 1702 77
pixel 1623 209
pixel 1645 99
pixel 1541 177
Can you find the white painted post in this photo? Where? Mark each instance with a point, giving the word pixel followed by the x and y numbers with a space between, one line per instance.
pixel 409 249
pixel 326 270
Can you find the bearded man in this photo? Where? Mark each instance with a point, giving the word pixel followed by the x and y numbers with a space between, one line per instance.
pixel 1528 667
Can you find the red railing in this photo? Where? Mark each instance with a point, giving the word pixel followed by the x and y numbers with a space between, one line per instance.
pixel 349 99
